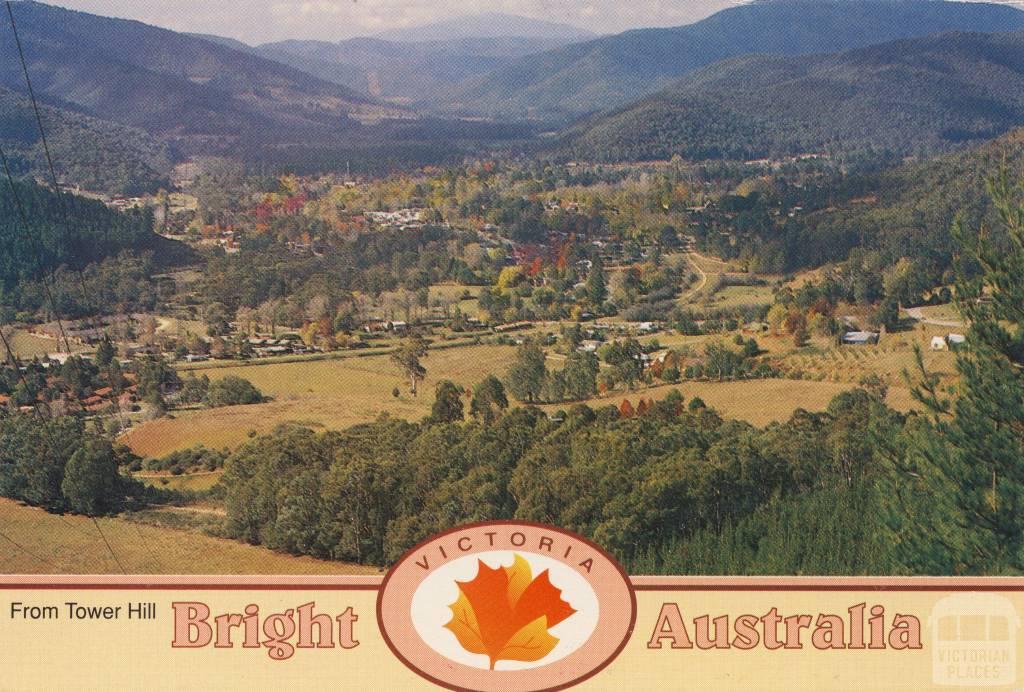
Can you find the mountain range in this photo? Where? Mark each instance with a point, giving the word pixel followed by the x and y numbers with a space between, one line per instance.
pixel 168 83
pixel 488 25
pixel 759 79
pixel 583 78
pixel 403 73
pixel 906 96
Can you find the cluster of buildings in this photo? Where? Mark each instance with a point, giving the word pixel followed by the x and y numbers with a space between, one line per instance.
pixel 97 401
pixel 289 345
pixel 403 219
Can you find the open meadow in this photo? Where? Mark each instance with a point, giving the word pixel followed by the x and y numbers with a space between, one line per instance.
pixel 339 393
pixel 28 346
pixel 327 394
pixel 34 542
pixel 758 402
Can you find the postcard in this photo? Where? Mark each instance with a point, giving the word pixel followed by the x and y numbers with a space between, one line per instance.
pixel 511 346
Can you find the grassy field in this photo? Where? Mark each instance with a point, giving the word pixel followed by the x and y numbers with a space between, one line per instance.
pixel 52 544
pixel 469 307
pixel 758 402
pixel 26 345
pixel 335 394
pixel 942 313
pixel 887 360
pixel 740 296
pixel 323 394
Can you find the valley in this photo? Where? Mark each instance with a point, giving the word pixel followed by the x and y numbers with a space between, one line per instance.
pixel 295 305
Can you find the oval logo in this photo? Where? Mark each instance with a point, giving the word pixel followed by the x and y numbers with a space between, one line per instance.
pixel 506 605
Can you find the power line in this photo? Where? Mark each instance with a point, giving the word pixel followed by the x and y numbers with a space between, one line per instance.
pixel 67 225
pixel 71 238
pixel 37 247
pixel 107 543
pixel 25 550
pixel 35 104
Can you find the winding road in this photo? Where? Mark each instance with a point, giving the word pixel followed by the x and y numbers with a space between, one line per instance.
pixel 693 292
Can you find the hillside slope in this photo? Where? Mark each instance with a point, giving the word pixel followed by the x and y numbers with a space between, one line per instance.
pixel 97 155
pixel 403 72
pixel 487 25
pixel 928 94
pixel 606 72
pixel 168 83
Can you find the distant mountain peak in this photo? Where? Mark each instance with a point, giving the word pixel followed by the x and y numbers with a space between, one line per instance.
pixel 487 25
pixel 566 83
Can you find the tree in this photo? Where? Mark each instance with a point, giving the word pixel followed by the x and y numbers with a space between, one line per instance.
pixel 777 317
pixel 580 375
pixel 105 352
pixel 407 358
pixel 233 391
pixel 194 390
pixel 447 403
pixel 597 287
pixel 92 482
pixel 626 359
pixel 963 481
pixel 155 378
pixel 888 313
pixel 489 400
pixel 527 374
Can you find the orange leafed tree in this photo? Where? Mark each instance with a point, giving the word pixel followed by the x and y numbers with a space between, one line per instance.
pixel 626 410
pixel 506 614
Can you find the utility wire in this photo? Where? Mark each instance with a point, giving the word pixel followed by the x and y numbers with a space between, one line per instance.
pixel 25 550
pixel 67 224
pixel 107 543
pixel 36 244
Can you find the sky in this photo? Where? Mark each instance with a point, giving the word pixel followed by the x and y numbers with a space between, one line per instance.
pixel 260 21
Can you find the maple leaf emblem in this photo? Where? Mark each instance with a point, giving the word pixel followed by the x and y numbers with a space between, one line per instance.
pixel 506 614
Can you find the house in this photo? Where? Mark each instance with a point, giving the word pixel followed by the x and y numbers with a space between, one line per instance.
pixel 950 342
pixel 195 358
pixel 590 346
pixel 860 338
pixel 955 341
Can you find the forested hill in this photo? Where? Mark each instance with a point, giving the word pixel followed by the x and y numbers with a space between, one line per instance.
pixel 95 233
pixel 908 96
pixel 169 83
pixel 909 211
pixel 903 213
pixel 97 155
pixel 610 71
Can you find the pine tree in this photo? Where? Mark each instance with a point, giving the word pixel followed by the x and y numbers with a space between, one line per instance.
pixel 597 289
pixel 966 513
